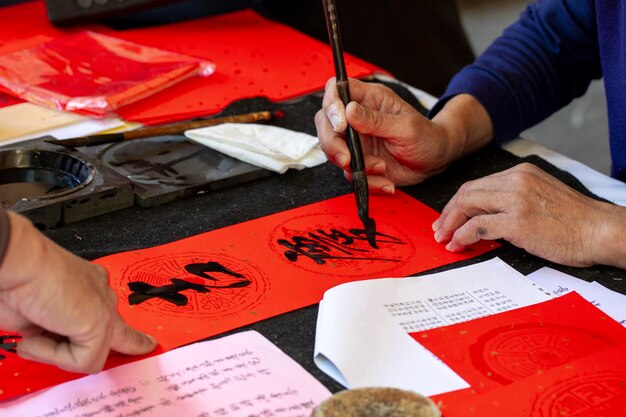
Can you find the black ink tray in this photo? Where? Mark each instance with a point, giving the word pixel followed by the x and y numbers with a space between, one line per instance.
pixel 53 186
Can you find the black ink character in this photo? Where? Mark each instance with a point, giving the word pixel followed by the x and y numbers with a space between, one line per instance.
pixel 320 246
pixel 171 293
pixel 8 343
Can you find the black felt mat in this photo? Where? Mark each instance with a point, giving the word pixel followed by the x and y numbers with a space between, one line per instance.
pixel 294 332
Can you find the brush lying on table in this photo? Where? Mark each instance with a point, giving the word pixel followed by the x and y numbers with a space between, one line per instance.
pixel 172 129
pixel 357 165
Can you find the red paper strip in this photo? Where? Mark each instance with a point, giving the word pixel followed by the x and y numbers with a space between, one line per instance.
pixel 594 385
pixel 254 57
pixel 504 348
pixel 92 73
pixel 7 100
pixel 204 285
pixel 26 24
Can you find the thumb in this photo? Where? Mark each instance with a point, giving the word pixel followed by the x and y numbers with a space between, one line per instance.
pixel 372 122
pixel 129 341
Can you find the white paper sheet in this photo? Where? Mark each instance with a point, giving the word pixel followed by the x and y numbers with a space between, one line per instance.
pixel 362 330
pixel 559 283
pixel 596 182
pixel 243 375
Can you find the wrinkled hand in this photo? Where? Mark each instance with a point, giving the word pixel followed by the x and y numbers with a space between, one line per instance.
pixel 536 212
pixel 400 146
pixel 61 304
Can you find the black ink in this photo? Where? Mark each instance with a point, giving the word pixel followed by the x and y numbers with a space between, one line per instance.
pixel 8 343
pixel 171 293
pixel 200 269
pixel 319 245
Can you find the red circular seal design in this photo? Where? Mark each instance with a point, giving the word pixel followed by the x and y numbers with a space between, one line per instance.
pixel 193 285
pixel 508 354
pixel 595 394
pixel 312 243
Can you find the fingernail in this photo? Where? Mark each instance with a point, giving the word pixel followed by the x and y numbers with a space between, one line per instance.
pixel 436 225
pixel 23 352
pixel 389 189
pixel 152 339
pixel 449 247
pixel 438 236
pixel 379 168
pixel 342 159
pixel 333 116
pixel 357 110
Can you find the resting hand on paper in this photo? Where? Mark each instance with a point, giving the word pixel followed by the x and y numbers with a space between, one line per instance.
pixel 400 146
pixel 536 212
pixel 61 304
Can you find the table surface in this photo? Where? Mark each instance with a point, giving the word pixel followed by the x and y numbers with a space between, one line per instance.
pixel 294 332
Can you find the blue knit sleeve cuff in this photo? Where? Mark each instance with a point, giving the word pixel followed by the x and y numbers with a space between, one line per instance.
pixel 494 95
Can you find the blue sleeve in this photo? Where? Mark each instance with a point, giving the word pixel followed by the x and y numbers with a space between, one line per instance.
pixel 538 65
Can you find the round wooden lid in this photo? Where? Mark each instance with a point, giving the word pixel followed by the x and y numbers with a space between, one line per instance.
pixel 376 402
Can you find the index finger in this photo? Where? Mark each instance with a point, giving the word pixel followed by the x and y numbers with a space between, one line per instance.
pixel 331 142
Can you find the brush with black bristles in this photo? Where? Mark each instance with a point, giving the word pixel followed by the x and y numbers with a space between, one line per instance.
pixel 357 165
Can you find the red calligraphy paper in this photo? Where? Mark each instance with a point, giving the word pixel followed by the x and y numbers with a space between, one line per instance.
pixel 92 73
pixel 254 57
pixel 26 24
pixel 7 100
pixel 204 285
pixel 594 385
pixel 501 349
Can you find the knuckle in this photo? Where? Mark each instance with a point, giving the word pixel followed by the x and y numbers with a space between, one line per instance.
pixel 464 193
pixel 381 88
pixel 319 117
pixel 520 179
pixel 527 167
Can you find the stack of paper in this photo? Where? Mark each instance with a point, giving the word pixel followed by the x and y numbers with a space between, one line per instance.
pixel 481 340
pixel 559 283
pixel 362 330
pixel 548 359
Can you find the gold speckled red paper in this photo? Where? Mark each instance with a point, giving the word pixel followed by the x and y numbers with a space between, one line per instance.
pixel 497 354
pixel 254 57
pixel 218 281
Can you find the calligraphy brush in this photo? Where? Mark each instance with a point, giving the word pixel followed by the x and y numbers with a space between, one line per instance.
pixel 357 165
pixel 171 129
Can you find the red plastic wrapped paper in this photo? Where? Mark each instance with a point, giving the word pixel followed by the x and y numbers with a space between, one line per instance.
pixel 92 73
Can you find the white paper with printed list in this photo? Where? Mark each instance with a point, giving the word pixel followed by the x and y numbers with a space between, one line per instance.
pixel 242 375
pixel 362 329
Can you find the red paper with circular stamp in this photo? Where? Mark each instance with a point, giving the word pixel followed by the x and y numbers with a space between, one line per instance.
pixel 309 243
pixel 596 394
pixel 508 354
pixel 222 296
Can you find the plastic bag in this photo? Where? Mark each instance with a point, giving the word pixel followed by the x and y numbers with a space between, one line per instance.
pixel 94 74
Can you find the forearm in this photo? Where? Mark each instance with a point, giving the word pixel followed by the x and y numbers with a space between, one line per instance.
pixel 5 231
pixel 27 249
pixel 467 125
